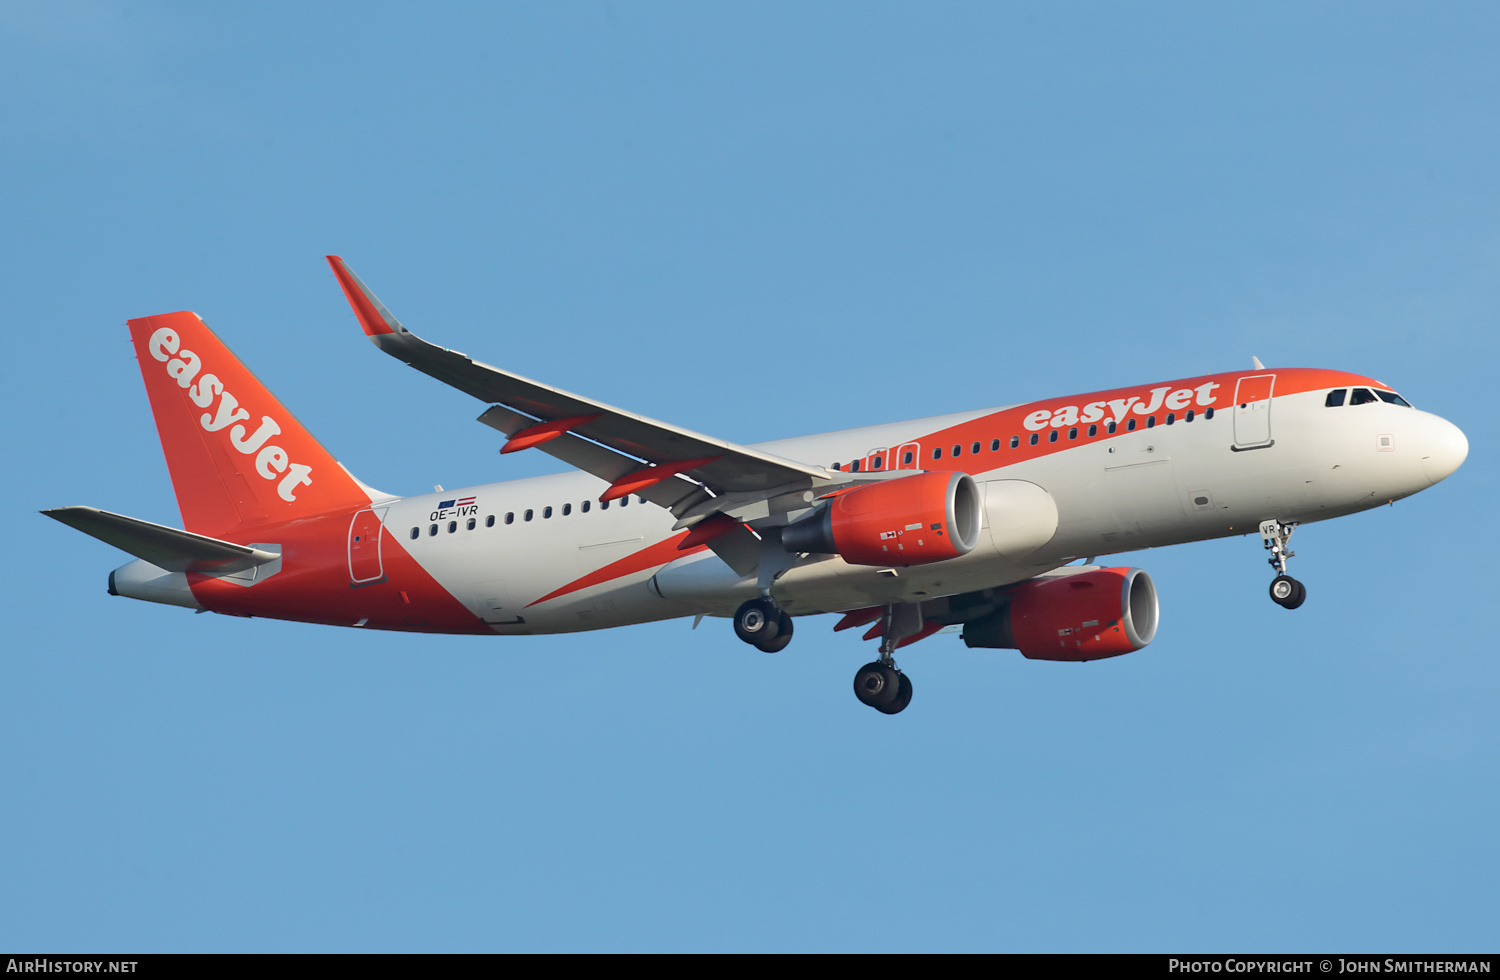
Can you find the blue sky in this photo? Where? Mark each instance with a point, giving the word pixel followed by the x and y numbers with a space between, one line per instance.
pixel 756 221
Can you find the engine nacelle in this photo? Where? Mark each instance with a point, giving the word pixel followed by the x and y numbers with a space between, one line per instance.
pixel 910 520
pixel 1087 616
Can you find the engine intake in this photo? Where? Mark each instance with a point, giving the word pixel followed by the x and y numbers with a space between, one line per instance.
pixel 911 520
pixel 1087 616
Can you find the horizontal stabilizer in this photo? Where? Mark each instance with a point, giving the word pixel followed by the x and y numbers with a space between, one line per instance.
pixel 165 547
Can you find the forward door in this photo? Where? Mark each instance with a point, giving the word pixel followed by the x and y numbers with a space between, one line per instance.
pixel 1252 411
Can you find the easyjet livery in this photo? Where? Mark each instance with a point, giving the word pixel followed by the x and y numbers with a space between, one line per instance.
pixel 976 520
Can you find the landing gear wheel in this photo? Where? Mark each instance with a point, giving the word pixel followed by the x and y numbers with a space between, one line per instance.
pixel 783 635
pixel 903 697
pixel 758 621
pixel 878 685
pixel 1287 592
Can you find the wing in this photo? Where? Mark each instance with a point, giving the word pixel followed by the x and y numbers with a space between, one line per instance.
pixel 635 454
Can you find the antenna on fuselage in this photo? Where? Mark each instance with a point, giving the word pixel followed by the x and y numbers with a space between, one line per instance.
pixel 1256 361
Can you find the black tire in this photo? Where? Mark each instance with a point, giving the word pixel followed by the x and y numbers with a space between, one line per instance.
pixel 903 697
pixel 1287 592
pixel 783 635
pixel 877 684
pixel 757 621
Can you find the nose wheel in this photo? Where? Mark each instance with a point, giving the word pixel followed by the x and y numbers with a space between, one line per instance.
pixel 764 625
pixel 1286 591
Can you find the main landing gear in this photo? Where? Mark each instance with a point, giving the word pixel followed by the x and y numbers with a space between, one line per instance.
pixel 764 625
pixel 1285 590
pixel 767 627
pixel 878 683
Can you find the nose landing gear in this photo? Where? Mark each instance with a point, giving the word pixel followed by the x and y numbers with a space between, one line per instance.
pixel 1286 591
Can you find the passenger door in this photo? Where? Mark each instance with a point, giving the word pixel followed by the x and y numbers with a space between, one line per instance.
pixel 1252 411
pixel 365 567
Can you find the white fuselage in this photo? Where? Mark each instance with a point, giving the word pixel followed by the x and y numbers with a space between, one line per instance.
pixel 1171 483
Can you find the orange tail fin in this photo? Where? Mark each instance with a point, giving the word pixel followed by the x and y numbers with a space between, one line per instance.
pixel 236 455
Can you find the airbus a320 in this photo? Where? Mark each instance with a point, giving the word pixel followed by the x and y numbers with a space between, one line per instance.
pixel 976 520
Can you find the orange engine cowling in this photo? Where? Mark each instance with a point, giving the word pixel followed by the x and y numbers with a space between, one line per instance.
pixel 910 520
pixel 1087 616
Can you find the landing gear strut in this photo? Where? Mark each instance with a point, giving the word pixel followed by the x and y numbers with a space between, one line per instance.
pixel 878 683
pixel 1285 590
pixel 764 625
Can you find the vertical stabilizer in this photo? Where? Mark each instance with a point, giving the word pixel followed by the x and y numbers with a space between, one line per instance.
pixel 236 455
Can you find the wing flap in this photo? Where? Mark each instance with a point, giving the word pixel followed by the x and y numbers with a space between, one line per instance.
pixel 165 547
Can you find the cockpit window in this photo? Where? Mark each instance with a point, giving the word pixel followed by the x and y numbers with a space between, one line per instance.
pixel 1391 398
pixel 1336 398
pixel 1362 396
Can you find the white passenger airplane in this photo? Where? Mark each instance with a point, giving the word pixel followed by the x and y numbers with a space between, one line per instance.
pixel 973 518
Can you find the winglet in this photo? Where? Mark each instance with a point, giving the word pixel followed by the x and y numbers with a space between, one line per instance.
pixel 373 315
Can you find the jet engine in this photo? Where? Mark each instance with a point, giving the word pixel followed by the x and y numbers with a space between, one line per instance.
pixel 1087 616
pixel 910 520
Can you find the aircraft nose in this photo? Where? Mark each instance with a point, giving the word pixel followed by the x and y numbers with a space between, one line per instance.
pixel 1444 448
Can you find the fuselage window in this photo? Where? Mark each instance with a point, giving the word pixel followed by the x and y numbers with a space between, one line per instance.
pixel 416 533
pixel 1130 426
pixel 1335 399
pixel 876 463
pixel 1015 442
pixel 432 531
pixel 1171 417
pixel 546 513
pixel 510 517
pixel 604 505
pixel 1093 431
pixel 1110 428
pixel 528 515
pixel 489 521
pixel 854 466
pixel 1391 398
pixel 1189 416
pixel 625 501
pixel 838 466
pixel 1362 396
pixel 994 445
pixel 452 526
pixel 958 450
pixel 1208 412
pixel 974 449
pixel 471 525
pixel 584 506
pixel 937 454
pixel 1033 439
pixel 906 458
pixel 567 509
pixel 1052 436
pixel 1073 432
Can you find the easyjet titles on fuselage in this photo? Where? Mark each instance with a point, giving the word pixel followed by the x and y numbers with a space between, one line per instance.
pixel 1157 398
